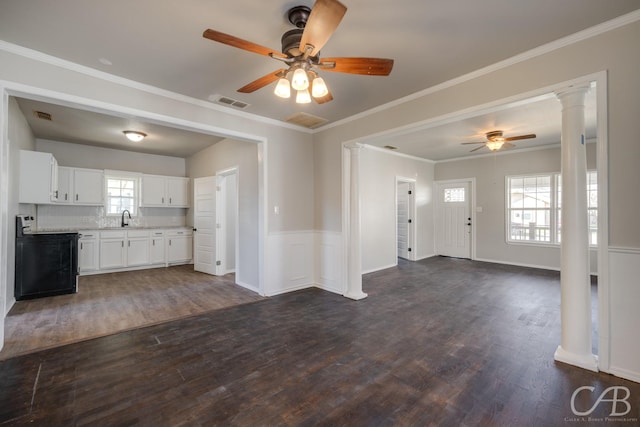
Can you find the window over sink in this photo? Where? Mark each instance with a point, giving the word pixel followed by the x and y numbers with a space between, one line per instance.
pixel 123 192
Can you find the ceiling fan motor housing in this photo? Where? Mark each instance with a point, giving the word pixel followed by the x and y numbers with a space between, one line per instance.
pixel 299 15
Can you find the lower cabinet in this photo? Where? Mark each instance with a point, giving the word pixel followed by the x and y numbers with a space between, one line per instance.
pixel 88 252
pixel 157 248
pixel 179 246
pixel 108 250
pixel 137 248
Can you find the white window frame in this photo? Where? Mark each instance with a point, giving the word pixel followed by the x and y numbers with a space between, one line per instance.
pixel 122 175
pixel 554 214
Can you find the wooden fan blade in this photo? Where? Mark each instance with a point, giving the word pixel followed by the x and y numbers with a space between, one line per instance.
pixel 367 66
pixel 476 149
pixel 467 143
pixel 516 138
pixel 233 41
pixel 323 21
pixel 262 81
pixel 507 146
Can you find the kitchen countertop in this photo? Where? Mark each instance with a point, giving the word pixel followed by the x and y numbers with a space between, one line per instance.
pixel 80 230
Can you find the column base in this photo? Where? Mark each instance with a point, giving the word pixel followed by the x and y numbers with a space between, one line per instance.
pixel 355 295
pixel 589 362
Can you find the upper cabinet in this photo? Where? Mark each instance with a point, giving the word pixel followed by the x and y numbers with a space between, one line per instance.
pixel 165 191
pixel 38 177
pixel 80 186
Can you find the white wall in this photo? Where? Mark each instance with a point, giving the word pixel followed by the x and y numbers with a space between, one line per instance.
pixel 378 172
pixel 490 232
pixel 243 155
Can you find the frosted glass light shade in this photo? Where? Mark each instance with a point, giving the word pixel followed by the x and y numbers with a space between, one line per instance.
pixel 283 88
pixel 303 97
pixel 495 145
pixel 300 81
pixel 319 88
pixel 134 136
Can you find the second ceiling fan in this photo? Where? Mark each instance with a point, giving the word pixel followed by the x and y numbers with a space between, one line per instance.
pixel 301 54
pixel 496 141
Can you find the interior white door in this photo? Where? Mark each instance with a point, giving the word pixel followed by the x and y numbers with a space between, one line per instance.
pixel 403 218
pixel 226 221
pixel 453 231
pixel 204 224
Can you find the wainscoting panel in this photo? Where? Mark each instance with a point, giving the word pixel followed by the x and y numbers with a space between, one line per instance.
pixel 624 271
pixel 329 261
pixel 289 262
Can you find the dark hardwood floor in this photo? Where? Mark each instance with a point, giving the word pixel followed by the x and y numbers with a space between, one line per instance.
pixel 443 342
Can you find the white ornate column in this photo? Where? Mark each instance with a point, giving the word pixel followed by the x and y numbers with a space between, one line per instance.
pixel 354 253
pixel 575 283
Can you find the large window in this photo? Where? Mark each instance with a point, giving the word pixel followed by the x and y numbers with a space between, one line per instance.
pixel 534 208
pixel 122 193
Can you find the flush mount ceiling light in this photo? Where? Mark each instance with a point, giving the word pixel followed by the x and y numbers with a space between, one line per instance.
pixel 134 135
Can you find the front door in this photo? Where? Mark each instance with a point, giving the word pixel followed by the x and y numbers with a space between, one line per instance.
pixel 204 224
pixel 453 231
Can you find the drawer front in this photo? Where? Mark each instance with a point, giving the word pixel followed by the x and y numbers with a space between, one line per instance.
pixel 89 234
pixel 112 234
pixel 137 233
pixel 185 232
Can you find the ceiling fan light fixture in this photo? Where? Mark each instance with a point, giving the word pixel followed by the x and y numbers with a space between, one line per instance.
pixel 303 97
pixel 299 80
pixel 283 88
pixel 134 135
pixel 319 88
pixel 495 144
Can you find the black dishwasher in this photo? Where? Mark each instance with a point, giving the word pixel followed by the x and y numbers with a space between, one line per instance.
pixel 46 263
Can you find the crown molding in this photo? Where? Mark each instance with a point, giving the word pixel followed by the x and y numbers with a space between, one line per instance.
pixel 395 153
pixel 102 75
pixel 594 31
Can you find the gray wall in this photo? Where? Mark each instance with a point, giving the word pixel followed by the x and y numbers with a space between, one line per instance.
pixel 20 138
pixel 244 155
pixel 490 172
pixel 85 156
pixel 378 206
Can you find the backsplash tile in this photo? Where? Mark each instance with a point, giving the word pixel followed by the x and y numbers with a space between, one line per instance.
pixel 57 217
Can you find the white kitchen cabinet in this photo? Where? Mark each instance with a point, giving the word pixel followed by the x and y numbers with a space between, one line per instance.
pixel 179 246
pixel 157 248
pixel 88 187
pixel 65 185
pixel 178 191
pixel 88 254
pixel 165 191
pixel 112 249
pixel 80 186
pixel 38 177
pixel 137 248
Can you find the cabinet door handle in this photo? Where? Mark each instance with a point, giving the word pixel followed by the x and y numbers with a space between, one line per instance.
pixel 169 242
pixel 76 197
pixel 163 200
pixel 66 196
pixel 153 242
pixel 169 199
pixel 56 196
pixel 129 243
pixel 122 243
pixel 81 246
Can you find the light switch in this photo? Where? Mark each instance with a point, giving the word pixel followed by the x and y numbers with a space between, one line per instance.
pixel 478 208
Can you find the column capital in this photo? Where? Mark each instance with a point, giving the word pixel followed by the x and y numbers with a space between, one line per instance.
pixel 353 146
pixel 573 95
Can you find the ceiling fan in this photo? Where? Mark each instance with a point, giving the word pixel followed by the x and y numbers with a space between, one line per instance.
pixel 301 54
pixel 496 141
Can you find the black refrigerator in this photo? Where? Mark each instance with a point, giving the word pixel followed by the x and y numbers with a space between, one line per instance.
pixel 46 263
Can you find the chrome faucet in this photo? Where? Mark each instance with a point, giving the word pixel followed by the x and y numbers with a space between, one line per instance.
pixel 124 224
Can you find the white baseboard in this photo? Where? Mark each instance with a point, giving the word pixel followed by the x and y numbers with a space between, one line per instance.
pixel 625 373
pixel 426 256
pixel 288 289
pixel 518 264
pixel 10 304
pixel 384 267
pixel 248 286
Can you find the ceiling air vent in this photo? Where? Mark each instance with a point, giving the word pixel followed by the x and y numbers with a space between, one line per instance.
pixel 42 115
pixel 306 120
pixel 232 102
